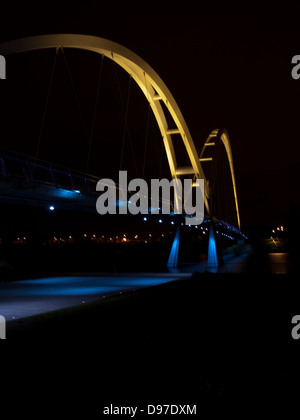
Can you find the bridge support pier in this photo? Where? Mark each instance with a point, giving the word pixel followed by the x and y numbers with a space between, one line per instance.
pixel 212 256
pixel 173 257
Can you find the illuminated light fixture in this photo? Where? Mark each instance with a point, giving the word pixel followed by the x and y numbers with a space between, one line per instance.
pixel 172 223
pixel 160 221
pixel 51 208
pixel 77 191
pixel 145 219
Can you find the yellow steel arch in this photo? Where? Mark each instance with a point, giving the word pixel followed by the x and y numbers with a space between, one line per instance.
pixel 147 79
pixel 225 140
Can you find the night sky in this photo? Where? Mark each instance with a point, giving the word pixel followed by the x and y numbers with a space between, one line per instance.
pixel 227 67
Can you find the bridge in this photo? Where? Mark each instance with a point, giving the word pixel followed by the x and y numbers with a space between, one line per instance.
pixel 29 180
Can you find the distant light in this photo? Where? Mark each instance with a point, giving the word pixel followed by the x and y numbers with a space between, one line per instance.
pixel 160 221
pixel 51 208
pixel 172 223
pixel 77 191
pixel 145 219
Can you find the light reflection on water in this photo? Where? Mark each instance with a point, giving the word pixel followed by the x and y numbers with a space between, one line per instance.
pixel 274 263
pixel 278 262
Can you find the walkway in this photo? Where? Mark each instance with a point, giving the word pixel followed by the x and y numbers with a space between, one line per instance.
pixel 25 298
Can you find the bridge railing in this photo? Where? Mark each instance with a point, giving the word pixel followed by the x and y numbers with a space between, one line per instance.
pixel 35 171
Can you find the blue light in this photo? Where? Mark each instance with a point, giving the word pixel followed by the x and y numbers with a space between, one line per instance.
pixel 77 191
pixel 173 257
pixel 51 208
pixel 212 259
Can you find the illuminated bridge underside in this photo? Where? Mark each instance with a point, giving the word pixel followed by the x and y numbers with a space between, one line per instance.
pixel 151 85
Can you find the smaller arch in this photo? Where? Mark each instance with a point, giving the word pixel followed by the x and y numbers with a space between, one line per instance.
pixel 212 141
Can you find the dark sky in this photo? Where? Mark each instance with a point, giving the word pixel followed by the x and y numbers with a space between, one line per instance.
pixel 227 67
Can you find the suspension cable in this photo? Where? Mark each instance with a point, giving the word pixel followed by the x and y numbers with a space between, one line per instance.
pixel 125 111
pixel 46 104
pixel 75 94
pixel 147 125
pixel 125 123
pixel 146 139
pixel 94 115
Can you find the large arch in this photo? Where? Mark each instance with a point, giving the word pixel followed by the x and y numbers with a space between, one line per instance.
pixel 151 85
pixel 147 79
